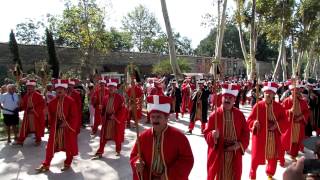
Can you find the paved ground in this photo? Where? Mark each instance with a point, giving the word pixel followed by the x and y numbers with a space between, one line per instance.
pixel 19 163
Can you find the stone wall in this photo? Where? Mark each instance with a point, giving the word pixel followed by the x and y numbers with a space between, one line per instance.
pixel 114 61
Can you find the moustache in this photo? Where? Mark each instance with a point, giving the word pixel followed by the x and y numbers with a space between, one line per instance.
pixel 227 102
pixel 155 123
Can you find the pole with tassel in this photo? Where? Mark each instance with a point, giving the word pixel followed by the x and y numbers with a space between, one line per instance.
pixel 132 103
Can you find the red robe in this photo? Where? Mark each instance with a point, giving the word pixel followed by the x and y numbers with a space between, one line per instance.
pixel 215 154
pixel 75 95
pixel 176 154
pixel 213 100
pixel 286 138
pixel 96 100
pixel 186 98
pixel 138 93
pixel 70 130
pixel 259 144
pixel 38 107
pixel 120 114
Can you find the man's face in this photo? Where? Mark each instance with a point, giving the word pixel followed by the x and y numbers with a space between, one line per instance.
pixel 133 82
pixel 112 89
pixel 158 120
pixel 174 85
pixel 228 101
pixel 60 91
pixel 102 85
pixel 30 89
pixel 201 85
pixel 70 86
pixel 268 96
pixel 10 89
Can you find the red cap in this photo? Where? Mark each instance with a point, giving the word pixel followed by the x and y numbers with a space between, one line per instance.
pixel 31 82
pixel 230 89
pixel 270 86
pixel 112 82
pixel 60 83
pixel 158 103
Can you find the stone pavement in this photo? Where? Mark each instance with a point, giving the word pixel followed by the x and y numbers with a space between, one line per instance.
pixel 20 162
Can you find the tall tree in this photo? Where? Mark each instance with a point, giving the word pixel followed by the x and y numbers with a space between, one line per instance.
pixel 253 38
pixel 240 18
pixel 220 35
pixel 142 24
pixel 83 26
pixel 172 51
pixel 28 32
pixel 13 45
pixel 119 41
pixel 53 60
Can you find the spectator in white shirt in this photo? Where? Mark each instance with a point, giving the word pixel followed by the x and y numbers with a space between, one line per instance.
pixel 9 103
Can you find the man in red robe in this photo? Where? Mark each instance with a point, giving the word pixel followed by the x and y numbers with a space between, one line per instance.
pixel 113 117
pixel 33 106
pixel 63 123
pixel 135 98
pixel 227 135
pixel 96 101
pixel 155 89
pixel 267 123
pixel 297 113
pixel 186 92
pixel 75 95
pixel 199 109
pixel 175 93
pixel 165 151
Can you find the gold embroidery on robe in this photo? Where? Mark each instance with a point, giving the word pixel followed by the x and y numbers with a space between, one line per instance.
pixel 157 164
pixel 198 115
pixel 30 115
pixel 59 143
pixel 270 149
pixel 110 123
pixel 296 125
pixel 173 96
pixel 229 138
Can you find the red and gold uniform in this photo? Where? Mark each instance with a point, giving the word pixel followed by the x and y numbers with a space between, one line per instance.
pixel 266 140
pixel 135 97
pixel 297 118
pixel 96 100
pixel 113 120
pixel 222 163
pixel 164 157
pixel 33 106
pixel 63 127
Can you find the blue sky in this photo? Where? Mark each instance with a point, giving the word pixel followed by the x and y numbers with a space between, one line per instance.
pixel 185 15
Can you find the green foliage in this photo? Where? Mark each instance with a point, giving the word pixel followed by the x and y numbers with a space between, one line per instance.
pixel 53 61
pixel 142 25
pixel 28 32
pixel 231 44
pixel 3 74
pixel 82 26
pixel 13 45
pixel 266 51
pixel 119 41
pixel 164 67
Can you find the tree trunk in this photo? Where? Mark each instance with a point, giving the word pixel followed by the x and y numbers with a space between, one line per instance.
pixel 298 66
pixel 276 69
pixel 172 51
pixel 309 62
pixel 314 68
pixel 219 38
pixel 293 56
pixel 253 38
pixel 284 64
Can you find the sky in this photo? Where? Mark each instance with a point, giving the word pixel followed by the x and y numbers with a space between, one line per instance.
pixel 185 15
